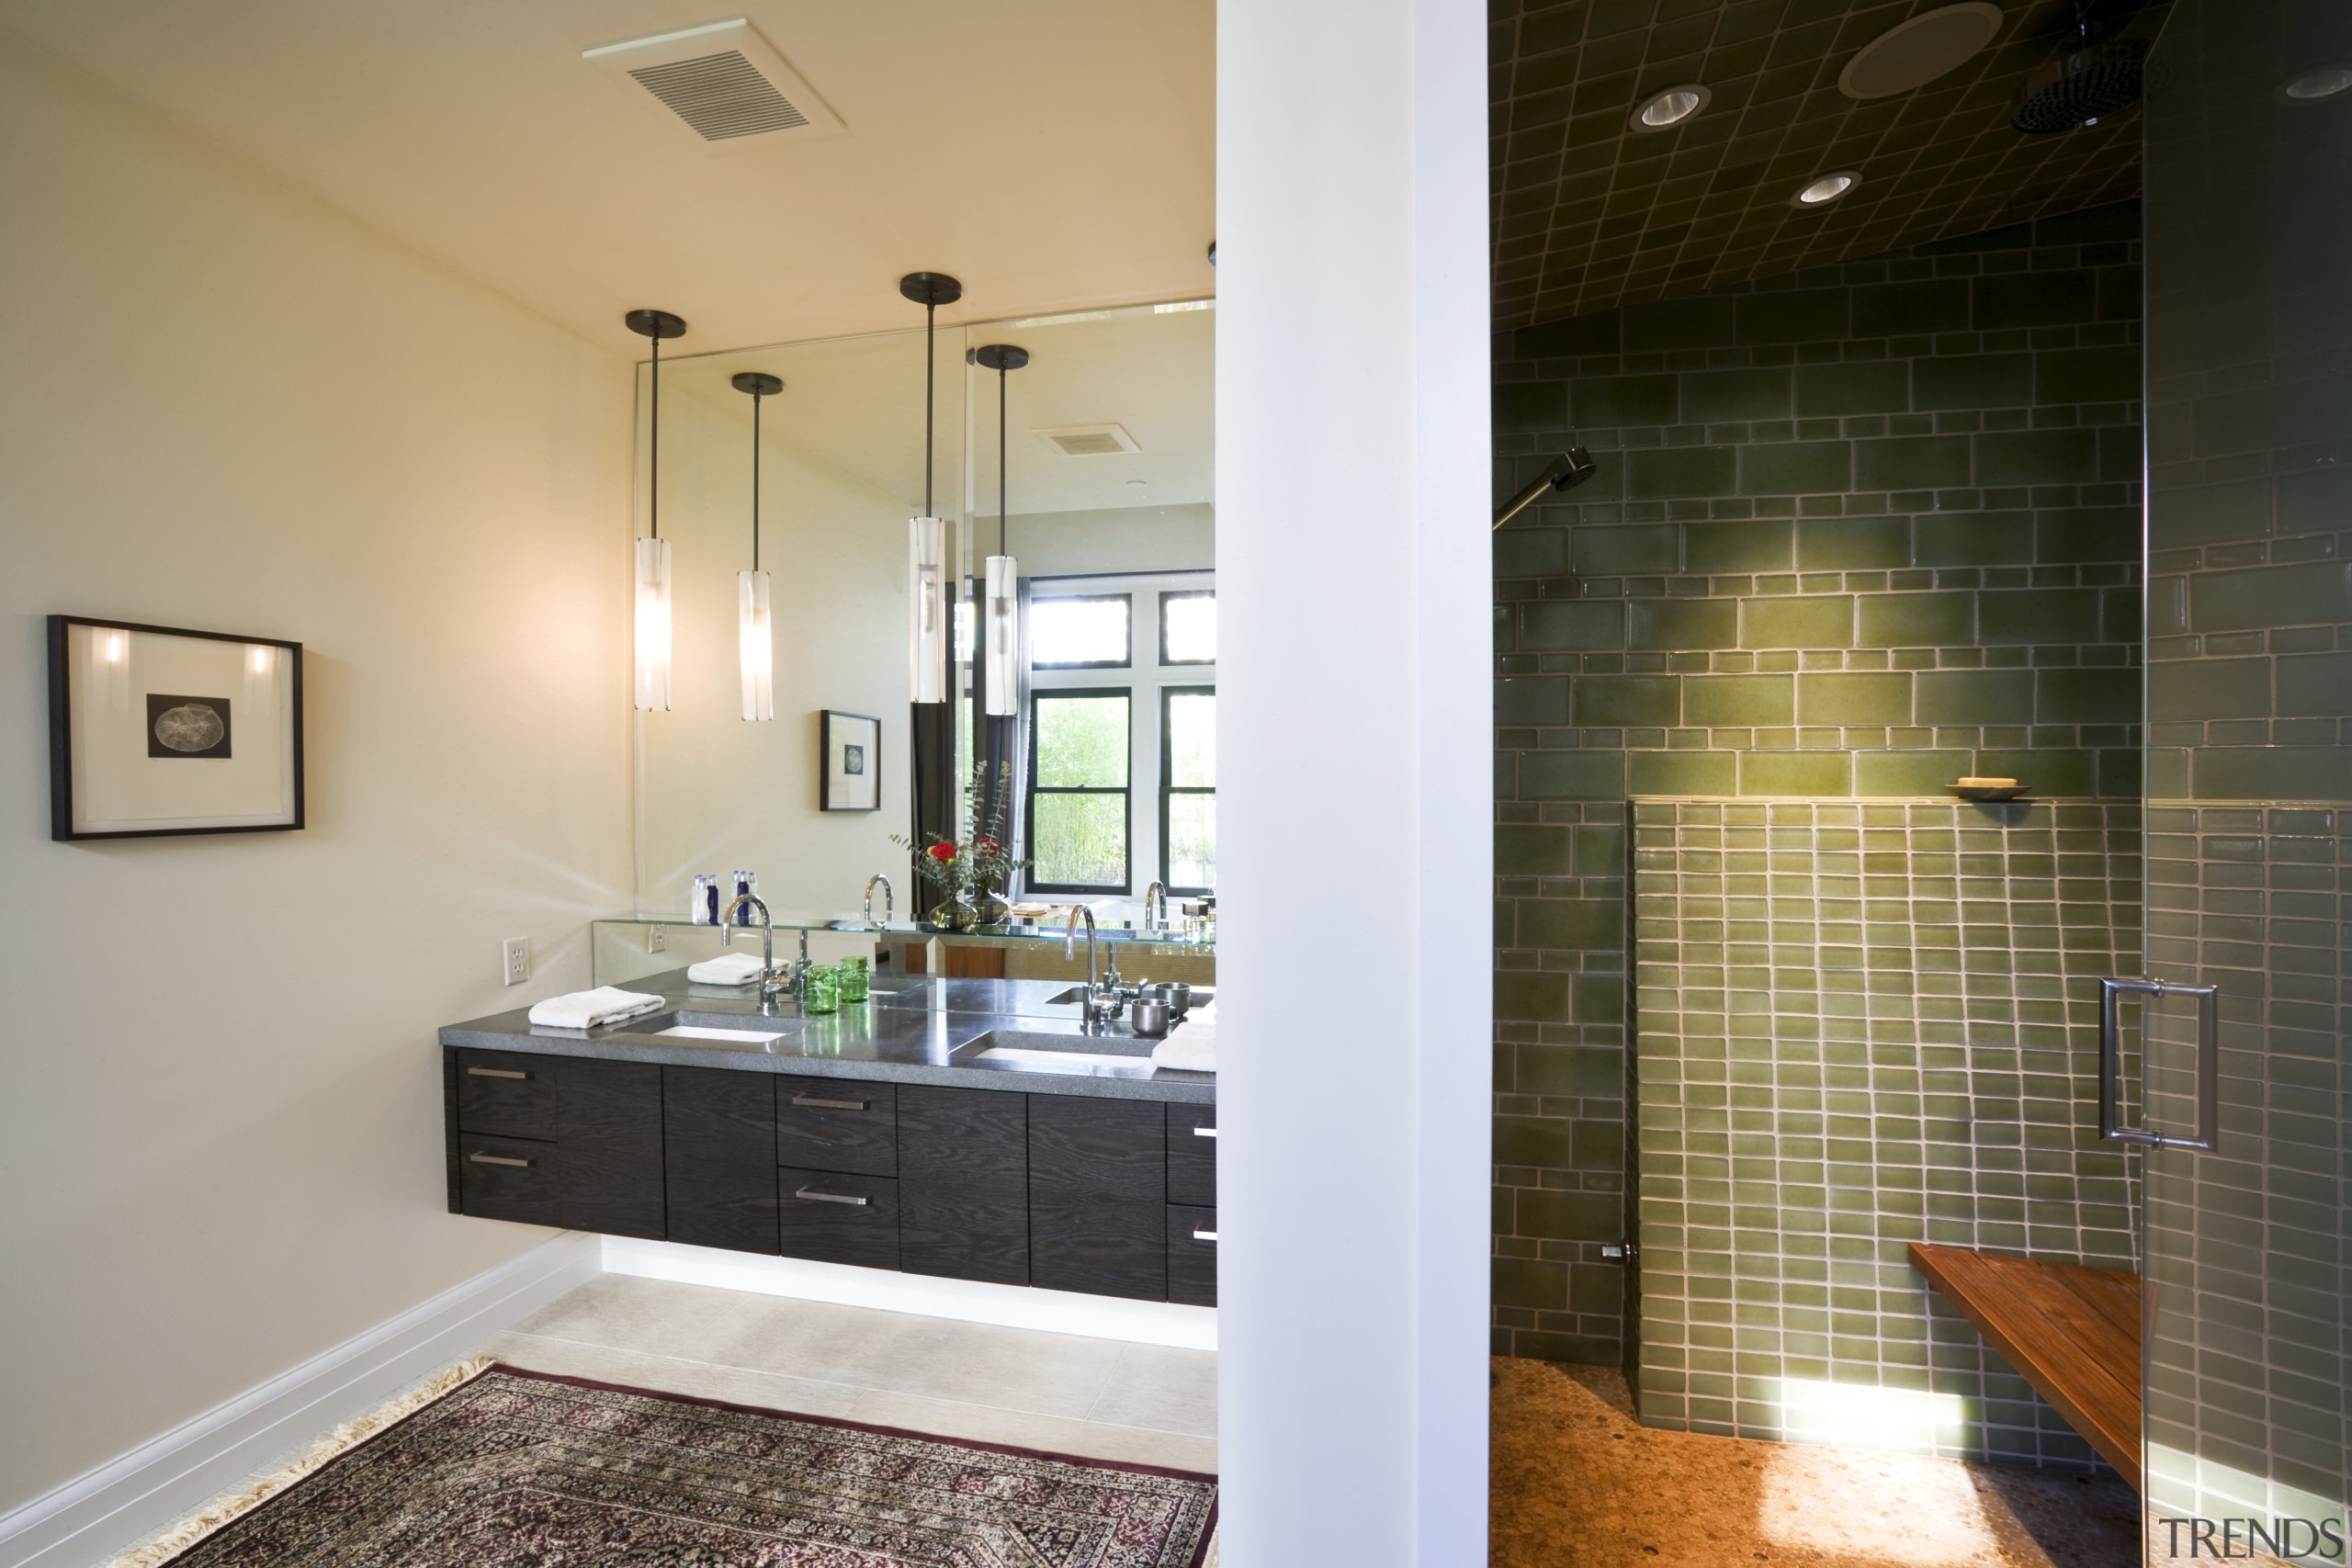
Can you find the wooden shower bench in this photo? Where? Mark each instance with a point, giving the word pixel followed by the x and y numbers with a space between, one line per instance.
pixel 2072 1332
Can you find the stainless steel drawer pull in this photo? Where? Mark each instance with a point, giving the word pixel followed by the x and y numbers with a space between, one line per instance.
pixel 810 1099
pixel 1204 1235
pixel 829 1198
pixel 1204 1132
pixel 2111 991
pixel 499 1159
pixel 497 1073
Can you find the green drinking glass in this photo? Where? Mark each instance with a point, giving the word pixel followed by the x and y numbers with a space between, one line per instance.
pixel 821 988
pixel 857 974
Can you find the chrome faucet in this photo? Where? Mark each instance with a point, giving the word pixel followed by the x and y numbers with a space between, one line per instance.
pixel 889 899
pixel 1096 1007
pixel 774 982
pixel 1154 925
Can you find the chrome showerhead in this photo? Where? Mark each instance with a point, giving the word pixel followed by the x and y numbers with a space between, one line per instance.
pixel 1566 471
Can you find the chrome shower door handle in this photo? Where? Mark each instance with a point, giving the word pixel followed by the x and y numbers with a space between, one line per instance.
pixel 2111 992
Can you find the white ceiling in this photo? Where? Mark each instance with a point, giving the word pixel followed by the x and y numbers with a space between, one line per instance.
pixel 1053 154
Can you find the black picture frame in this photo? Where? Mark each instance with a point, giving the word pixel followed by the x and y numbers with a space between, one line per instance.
pixel 62 739
pixel 860 733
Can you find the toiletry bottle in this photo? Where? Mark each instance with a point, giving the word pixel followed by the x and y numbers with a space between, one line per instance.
pixel 703 908
pixel 746 883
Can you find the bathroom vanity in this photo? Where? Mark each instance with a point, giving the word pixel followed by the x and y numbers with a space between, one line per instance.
pixel 954 1127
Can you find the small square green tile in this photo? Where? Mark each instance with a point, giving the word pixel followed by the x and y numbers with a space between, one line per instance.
pixel 1797 621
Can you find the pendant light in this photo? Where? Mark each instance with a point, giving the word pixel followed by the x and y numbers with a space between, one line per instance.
pixel 653 550
pixel 1000 626
pixel 754 633
pixel 927 625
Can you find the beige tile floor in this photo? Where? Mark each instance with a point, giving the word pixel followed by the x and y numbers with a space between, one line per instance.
pixel 1096 1398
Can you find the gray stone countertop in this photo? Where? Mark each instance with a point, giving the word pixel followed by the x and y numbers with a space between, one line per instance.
pixel 909 1032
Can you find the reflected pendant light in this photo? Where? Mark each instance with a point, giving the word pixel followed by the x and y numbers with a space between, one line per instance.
pixel 1002 623
pixel 652 683
pixel 927 534
pixel 755 635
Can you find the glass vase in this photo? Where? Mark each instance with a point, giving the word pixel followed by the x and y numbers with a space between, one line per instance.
pixel 951 914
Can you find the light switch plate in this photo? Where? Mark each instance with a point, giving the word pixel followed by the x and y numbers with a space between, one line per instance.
pixel 516 949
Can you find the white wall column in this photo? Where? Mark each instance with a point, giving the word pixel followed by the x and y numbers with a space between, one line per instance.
pixel 1355 794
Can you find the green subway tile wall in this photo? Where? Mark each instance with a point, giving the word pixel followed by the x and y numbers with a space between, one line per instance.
pixel 1855 533
pixel 1862 1024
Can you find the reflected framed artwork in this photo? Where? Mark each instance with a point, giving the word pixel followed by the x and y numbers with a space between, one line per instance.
pixel 851 778
pixel 160 731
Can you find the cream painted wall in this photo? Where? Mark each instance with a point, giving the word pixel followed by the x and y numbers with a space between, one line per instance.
pixel 230 407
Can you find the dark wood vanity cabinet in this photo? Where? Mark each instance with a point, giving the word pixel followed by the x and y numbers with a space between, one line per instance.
pixel 963 1183
pixel 1064 1192
pixel 718 1157
pixel 1098 1184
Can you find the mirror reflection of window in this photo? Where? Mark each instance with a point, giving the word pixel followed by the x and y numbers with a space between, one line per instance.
pixel 1078 803
pixel 1188 627
pixel 1079 631
pixel 1188 788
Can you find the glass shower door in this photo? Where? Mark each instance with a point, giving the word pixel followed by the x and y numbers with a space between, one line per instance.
pixel 2248 1245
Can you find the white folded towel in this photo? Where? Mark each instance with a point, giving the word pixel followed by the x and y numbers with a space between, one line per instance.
pixel 1191 1049
pixel 586 1009
pixel 726 969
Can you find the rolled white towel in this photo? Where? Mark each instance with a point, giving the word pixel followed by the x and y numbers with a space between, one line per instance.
pixel 586 1009
pixel 726 969
pixel 1191 1049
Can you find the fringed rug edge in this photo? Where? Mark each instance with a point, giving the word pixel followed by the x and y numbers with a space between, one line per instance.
pixel 220 1511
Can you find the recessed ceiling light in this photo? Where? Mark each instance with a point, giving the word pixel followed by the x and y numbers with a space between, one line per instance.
pixel 1915 52
pixel 1663 111
pixel 1825 189
pixel 2327 82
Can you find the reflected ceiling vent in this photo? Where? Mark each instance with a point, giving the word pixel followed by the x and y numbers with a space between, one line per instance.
pixel 723 85
pixel 1088 440
pixel 1918 52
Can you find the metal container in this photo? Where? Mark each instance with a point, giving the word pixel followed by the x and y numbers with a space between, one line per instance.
pixel 1149 1017
pixel 1179 995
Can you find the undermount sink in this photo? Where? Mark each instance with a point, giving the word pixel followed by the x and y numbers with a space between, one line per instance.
pixel 1069 997
pixel 1032 1051
pixel 732 1036
pixel 727 1031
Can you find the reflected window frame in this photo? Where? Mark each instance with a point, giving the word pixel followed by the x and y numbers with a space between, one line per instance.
pixel 1030 881
pixel 1169 788
pixel 1127 652
pixel 1165 596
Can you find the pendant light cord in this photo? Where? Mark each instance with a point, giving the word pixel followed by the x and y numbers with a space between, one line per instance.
pixel 653 483
pixel 930 374
pixel 755 481
pixel 1001 517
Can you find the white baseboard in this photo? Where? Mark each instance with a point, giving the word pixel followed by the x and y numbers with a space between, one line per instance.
pixel 167 1477
pixel 969 1300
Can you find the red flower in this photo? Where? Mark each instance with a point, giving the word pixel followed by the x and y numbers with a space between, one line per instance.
pixel 943 853
pixel 986 846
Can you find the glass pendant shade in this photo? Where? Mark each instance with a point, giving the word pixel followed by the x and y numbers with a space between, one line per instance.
pixel 653 625
pixel 758 641
pixel 927 608
pixel 1003 632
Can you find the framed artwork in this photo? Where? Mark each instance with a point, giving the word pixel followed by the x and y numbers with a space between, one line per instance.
pixel 158 731
pixel 850 779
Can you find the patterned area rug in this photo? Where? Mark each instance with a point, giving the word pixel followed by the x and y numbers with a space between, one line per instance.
pixel 526 1469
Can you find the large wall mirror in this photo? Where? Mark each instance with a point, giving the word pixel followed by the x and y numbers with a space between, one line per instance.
pixel 1092 465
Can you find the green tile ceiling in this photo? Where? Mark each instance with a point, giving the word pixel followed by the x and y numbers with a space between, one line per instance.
pixel 1588 215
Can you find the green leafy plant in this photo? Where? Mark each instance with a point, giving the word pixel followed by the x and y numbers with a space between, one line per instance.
pixel 978 864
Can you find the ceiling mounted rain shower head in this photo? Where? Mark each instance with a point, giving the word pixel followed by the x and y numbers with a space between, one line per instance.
pixel 2103 73
pixel 1565 472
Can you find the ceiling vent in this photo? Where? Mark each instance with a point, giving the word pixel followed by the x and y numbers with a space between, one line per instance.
pixel 723 85
pixel 1088 440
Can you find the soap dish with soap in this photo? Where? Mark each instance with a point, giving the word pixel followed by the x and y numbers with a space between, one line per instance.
pixel 1988 789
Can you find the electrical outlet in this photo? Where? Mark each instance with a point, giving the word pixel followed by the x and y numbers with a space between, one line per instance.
pixel 517 951
pixel 656 939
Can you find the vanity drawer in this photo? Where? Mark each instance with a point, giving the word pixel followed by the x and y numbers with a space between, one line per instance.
pixel 507 1092
pixel 1192 1154
pixel 509 1179
pixel 835 1218
pixel 1192 1255
pixel 837 1124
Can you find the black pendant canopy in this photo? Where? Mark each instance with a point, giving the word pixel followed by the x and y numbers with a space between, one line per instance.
pixel 1000 356
pixel 759 383
pixel 656 324
pixel 931 289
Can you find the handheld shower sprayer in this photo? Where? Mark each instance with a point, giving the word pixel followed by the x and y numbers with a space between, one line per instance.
pixel 1566 471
